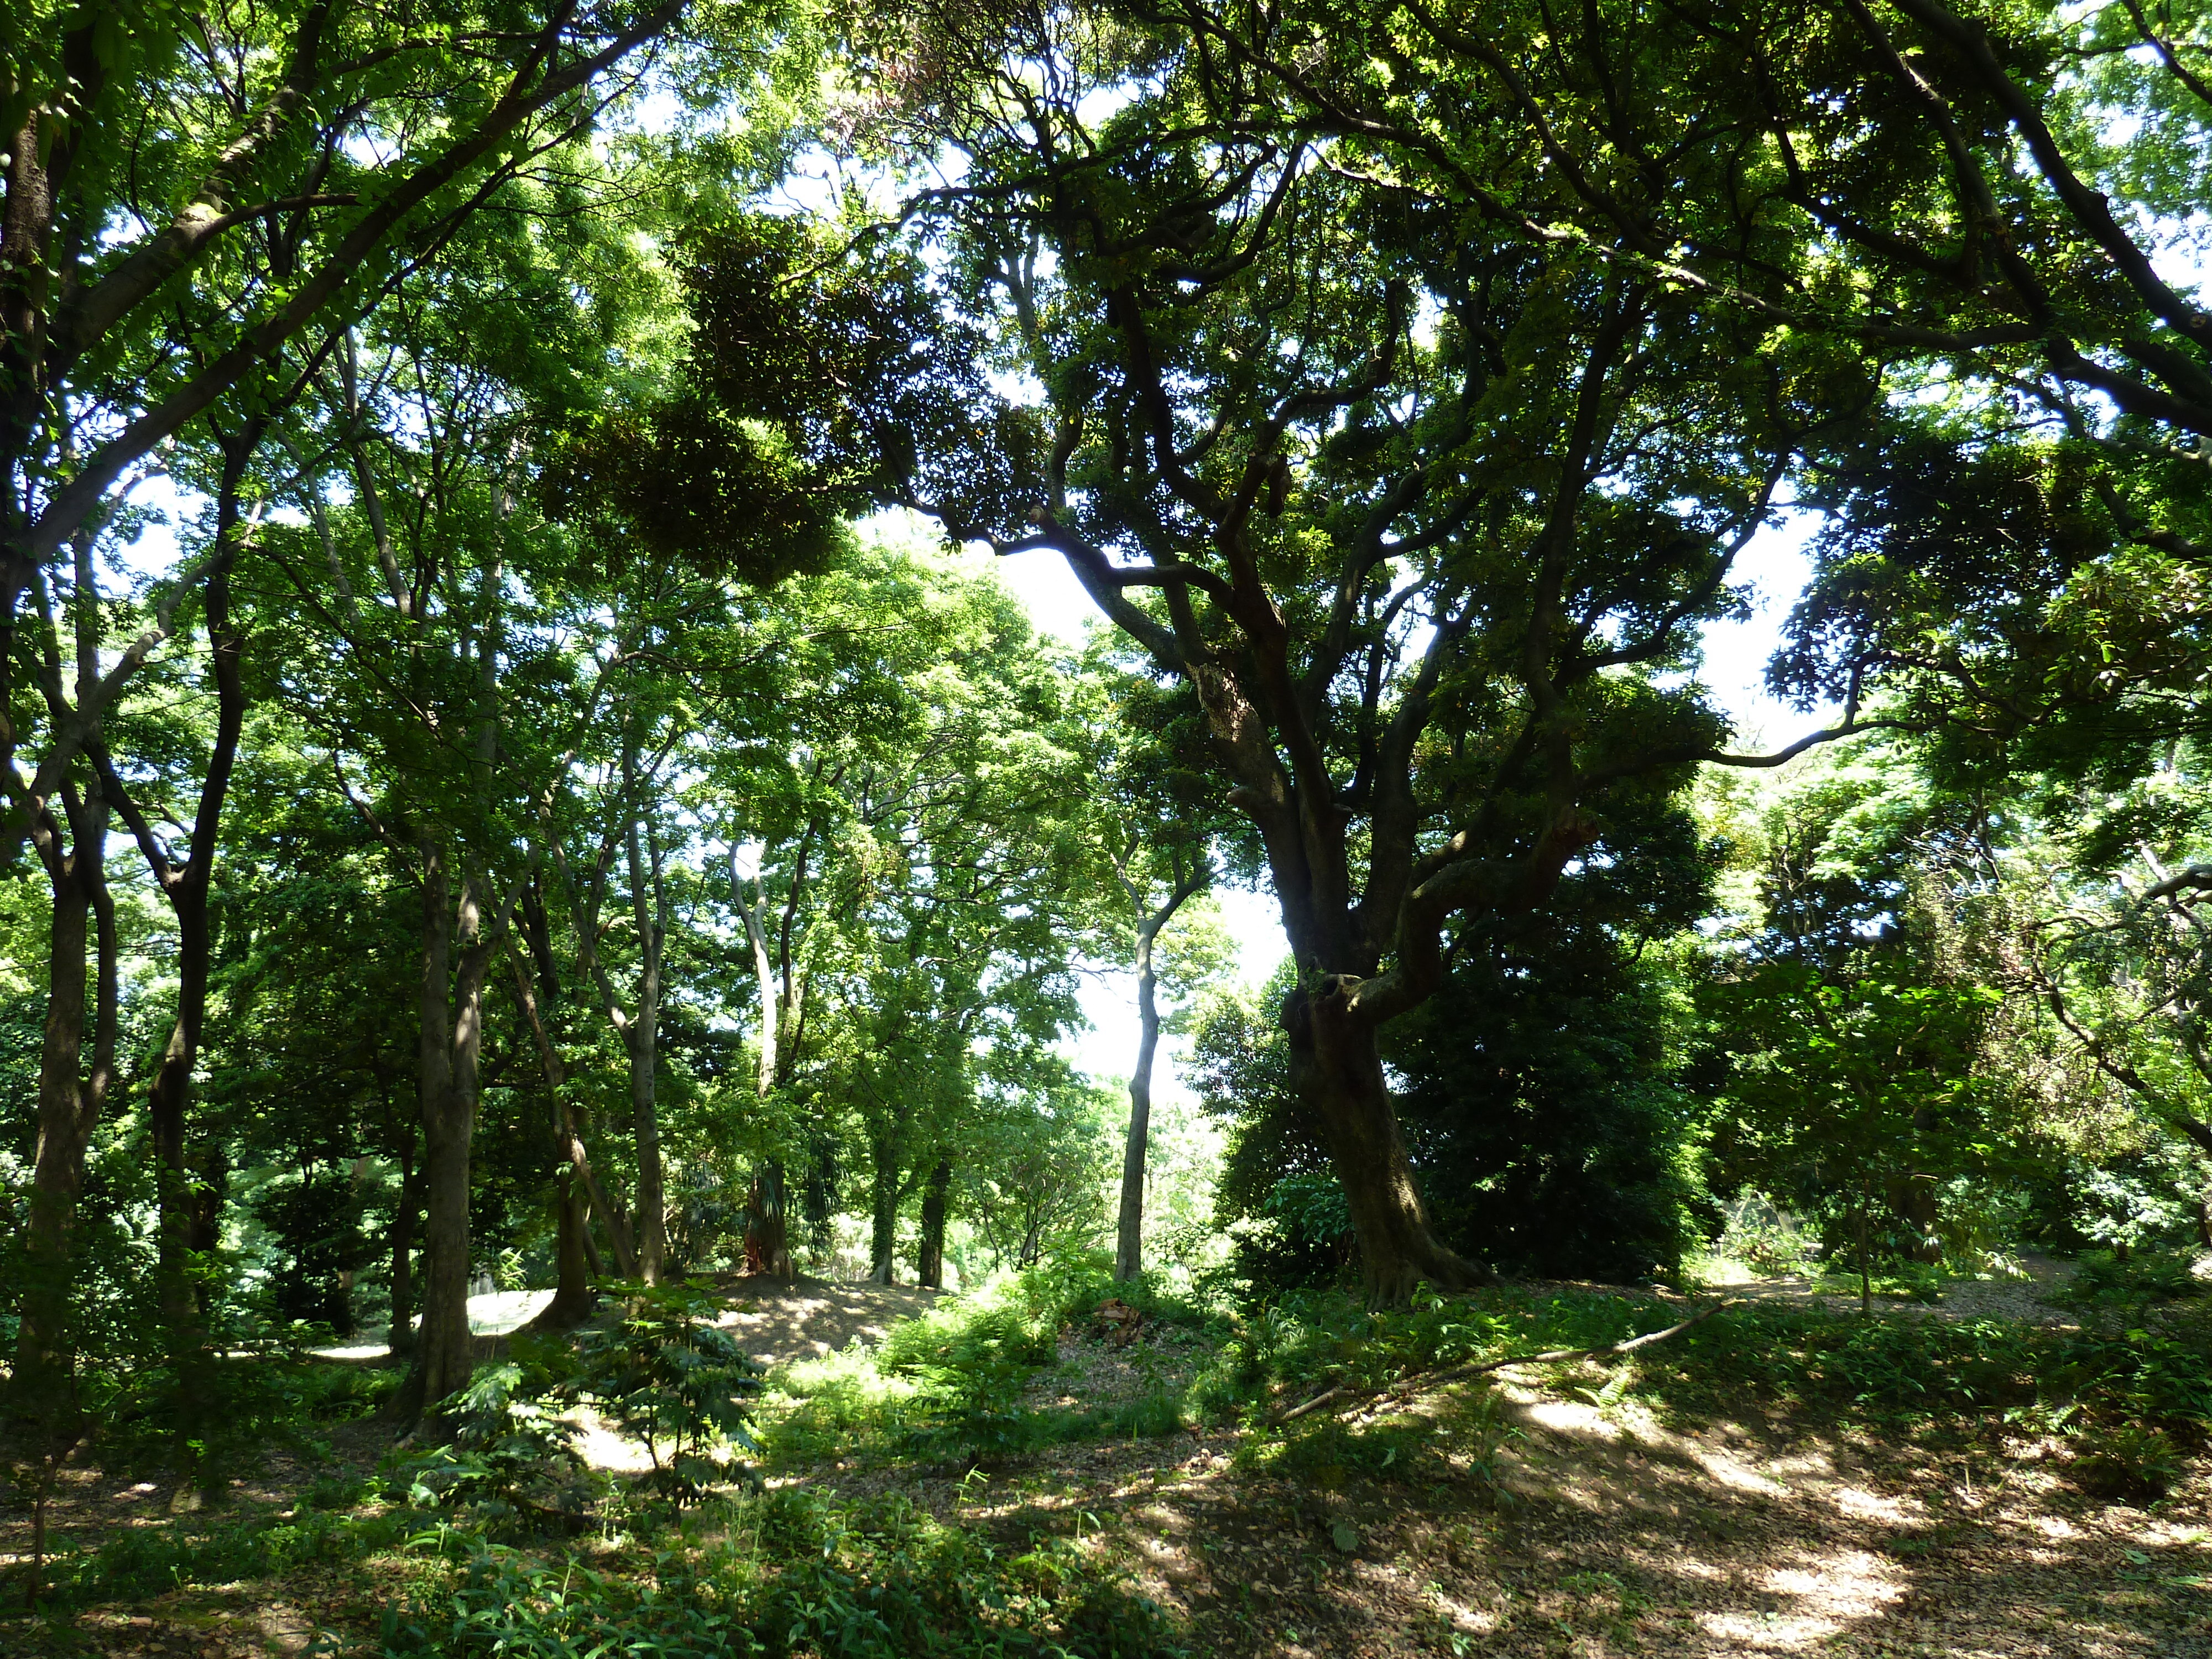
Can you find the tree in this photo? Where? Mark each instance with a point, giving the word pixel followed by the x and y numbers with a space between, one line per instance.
pixel 1852 1005
pixel 343 149
pixel 1159 831
pixel 1420 505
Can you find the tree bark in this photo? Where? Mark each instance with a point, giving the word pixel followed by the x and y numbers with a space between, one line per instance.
pixel 883 1208
pixel 649 905
pixel 401 1339
pixel 1337 1069
pixel 1129 1236
pixel 181 1198
pixel 573 1300
pixel 936 1201
pixel 1129 1233
pixel 83 914
pixel 452 1016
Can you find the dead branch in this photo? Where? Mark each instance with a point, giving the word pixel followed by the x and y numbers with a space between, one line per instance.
pixel 1412 1386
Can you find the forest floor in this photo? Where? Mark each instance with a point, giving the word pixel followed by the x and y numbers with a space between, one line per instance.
pixel 1552 1513
pixel 2026 1298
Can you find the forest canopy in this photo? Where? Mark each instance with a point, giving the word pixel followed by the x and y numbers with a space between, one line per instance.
pixel 522 770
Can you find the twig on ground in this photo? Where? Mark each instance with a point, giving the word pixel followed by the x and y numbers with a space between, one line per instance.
pixel 1412 1386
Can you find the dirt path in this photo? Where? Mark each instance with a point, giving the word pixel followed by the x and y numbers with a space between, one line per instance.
pixel 780 1321
pixel 2026 1300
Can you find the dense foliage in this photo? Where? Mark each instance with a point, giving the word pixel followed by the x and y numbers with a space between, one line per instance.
pixel 518 772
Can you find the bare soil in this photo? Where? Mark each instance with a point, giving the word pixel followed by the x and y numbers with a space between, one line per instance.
pixel 802 1318
pixel 1592 1531
pixel 1566 1527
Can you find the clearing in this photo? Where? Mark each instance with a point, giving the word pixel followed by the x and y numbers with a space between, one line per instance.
pixel 1550 1510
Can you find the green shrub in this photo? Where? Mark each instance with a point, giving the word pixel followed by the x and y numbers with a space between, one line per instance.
pixel 513 1458
pixel 799 1576
pixel 2101 1279
pixel 670 1377
pixel 2135 1461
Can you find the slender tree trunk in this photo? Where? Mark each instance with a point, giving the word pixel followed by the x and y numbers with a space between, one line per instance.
pixel 83 914
pixel 649 905
pixel 181 1201
pixel 651 1217
pixel 1129 1233
pixel 936 1200
pixel 1866 1280
pixel 767 1241
pixel 1337 1069
pixel 1129 1238
pixel 402 1339
pixel 573 1300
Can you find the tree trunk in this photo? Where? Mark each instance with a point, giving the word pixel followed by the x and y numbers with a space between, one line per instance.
pixel 1866 1281
pixel 768 1226
pixel 649 905
pixel 936 1200
pixel 882 1238
pixel 1129 1238
pixel 452 1013
pixel 69 1100
pixel 652 1213
pixel 573 1300
pixel 181 1201
pixel 402 1339
pixel 1337 1069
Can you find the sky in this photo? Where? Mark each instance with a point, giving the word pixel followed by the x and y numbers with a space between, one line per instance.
pixel 1775 566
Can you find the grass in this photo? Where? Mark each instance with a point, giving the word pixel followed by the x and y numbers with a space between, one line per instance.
pixel 799 1570
pixel 950 1387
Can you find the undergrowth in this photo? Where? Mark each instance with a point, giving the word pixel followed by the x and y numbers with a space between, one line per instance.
pixel 711 1568
pixel 795 1574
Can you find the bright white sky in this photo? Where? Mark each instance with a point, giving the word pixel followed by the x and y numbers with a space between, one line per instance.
pixel 1775 565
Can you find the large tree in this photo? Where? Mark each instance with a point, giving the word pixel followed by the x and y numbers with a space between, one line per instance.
pixel 1425 507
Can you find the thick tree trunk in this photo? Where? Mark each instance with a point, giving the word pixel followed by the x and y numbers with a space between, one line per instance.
pixel 768 1226
pixel 70 1101
pixel 574 1300
pixel 936 1201
pixel 1129 1235
pixel 883 1208
pixel 1337 1069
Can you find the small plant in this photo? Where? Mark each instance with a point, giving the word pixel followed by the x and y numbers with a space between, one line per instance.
pixel 2135 1462
pixel 670 1378
pixel 1765 1237
pixel 512 1456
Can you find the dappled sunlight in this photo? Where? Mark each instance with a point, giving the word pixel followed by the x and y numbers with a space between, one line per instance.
pixel 801 1319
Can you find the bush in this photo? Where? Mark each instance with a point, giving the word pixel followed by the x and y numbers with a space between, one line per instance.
pixel 2134 1461
pixel 2103 1280
pixel 668 1376
pixel 799 1575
